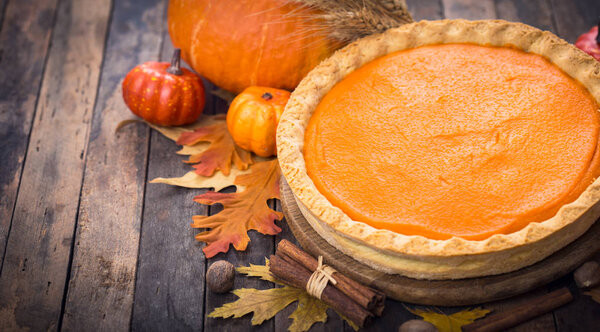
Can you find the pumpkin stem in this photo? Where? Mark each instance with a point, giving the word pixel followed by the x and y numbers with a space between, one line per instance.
pixel 175 67
pixel 267 96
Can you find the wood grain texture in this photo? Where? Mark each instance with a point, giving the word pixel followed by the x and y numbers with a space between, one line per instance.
pixel 537 13
pixel 542 323
pixel 469 9
pixel 24 38
pixel 260 246
pixel 38 250
pixel 100 293
pixel 574 17
pixel 169 291
pixel 582 314
pixel 2 11
pixel 425 9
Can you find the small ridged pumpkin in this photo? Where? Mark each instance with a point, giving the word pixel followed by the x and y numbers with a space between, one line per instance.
pixel 240 43
pixel 253 117
pixel 164 94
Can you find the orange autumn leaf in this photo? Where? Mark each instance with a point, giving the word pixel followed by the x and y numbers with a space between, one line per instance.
pixel 221 153
pixel 242 211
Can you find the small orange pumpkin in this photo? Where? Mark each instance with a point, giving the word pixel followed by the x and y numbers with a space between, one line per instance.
pixel 253 117
pixel 164 94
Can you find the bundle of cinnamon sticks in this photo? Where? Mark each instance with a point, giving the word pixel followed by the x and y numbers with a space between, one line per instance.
pixel 354 300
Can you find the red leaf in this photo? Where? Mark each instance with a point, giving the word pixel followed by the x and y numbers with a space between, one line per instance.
pixel 588 43
pixel 242 211
pixel 221 153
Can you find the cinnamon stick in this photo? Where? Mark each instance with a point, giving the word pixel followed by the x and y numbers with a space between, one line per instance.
pixel 522 313
pixel 298 276
pixel 368 298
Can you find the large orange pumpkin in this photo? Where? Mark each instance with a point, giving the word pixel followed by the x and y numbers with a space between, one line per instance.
pixel 240 43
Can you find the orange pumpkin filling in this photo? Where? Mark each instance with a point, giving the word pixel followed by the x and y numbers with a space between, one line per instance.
pixel 454 140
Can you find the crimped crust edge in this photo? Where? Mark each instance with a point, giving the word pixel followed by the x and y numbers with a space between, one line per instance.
pixel 549 235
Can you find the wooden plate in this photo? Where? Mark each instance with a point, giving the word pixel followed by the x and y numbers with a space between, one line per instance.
pixel 442 292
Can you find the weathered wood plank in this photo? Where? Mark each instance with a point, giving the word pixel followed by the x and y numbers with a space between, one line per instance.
pixel 38 250
pixel 2 12
pixel 574 17
pixel 425 9
pixel 583 314
pixel 24 37
pixel 542 323
pixel 169 291
pixel 100 292
pixel 537 13
pixel 260 246
pixel 469 9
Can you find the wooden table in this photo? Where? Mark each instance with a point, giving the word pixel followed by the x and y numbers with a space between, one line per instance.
pixel 85 242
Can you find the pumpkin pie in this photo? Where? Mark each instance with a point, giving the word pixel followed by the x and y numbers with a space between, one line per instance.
pixel 447 149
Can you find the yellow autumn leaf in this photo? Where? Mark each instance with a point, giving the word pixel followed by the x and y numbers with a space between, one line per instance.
pixel 218 180
pixel 192 180
pixel 173 133
pixel 263 303
pixel 261 271
pixel 594 293
pixel 310 310
pixel 450 323
pixel 351 323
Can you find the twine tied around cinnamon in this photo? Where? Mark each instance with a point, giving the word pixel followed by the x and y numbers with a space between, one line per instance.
pixel 318 280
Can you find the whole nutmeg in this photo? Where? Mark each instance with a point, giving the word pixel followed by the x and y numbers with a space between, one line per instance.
pixel 417 325
pixel 220 276
pixel 587 275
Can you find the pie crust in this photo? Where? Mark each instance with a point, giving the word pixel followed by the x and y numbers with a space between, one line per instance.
pixel 416 256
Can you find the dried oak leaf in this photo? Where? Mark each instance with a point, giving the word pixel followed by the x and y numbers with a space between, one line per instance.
pixel 208 144
pixel 242 211
pixel 594 293
pixel 450 323
pixel 310 310
pixel 267 303
pixel 263 303
pixel 221 153
pixel 192 180
pixel 261 271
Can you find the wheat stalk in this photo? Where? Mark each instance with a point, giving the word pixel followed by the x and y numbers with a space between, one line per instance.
pixel 352 19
